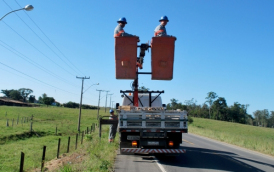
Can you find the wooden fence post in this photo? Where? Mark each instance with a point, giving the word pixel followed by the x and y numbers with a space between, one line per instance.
pixel 31 127
pixel 87 130
pixel 12 121
pixel 58 148
pixel 18 120
pixel 82 137
pixel 22 162
pixel 68 144
pixel 7 122
pixel 76 141
pixel 43 158
pixel 100 129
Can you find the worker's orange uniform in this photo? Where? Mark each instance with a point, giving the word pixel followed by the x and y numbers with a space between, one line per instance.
pixel 119 31
pixel 160 31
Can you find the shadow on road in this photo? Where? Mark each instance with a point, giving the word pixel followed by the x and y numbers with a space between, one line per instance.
pixel 200 158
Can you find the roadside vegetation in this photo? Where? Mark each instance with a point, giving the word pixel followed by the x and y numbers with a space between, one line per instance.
pixel 215 107
pixel 251 137
pixel 17 138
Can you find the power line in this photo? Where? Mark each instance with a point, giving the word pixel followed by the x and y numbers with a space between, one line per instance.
pixel 17 75
pixel 45 42
pixel 48 39
pixel 35 78
pixel 37 49
pixel 14 51
pixel 51 41
pixel 41 38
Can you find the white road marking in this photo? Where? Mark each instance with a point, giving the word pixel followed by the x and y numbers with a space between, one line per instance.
pixel 159 165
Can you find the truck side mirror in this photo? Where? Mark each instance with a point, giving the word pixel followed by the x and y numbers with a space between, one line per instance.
pixel 117 105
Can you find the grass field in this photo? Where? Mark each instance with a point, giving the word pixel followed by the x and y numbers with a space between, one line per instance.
pixel 17 139
pixel 251 137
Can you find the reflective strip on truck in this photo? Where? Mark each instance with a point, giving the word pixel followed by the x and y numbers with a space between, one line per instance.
pixel 176 131
pixel 156 131
pixel 138 150
pixel 130 131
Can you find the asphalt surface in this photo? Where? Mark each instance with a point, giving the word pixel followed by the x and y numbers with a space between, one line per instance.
pixel 202 154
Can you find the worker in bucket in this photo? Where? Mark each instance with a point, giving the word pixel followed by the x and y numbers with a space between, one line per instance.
pixel 113 127
pixel 119 30
pixel 161 30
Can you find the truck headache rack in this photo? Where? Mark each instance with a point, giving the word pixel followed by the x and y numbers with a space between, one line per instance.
pixel 148 92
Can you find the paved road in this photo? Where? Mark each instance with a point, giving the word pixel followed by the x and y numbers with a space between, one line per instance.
pixel 202 155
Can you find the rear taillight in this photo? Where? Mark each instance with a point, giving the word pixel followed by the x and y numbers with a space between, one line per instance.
pixel 134 143
pixel 170 143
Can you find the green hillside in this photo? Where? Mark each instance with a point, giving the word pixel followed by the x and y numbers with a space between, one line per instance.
pixel 251 137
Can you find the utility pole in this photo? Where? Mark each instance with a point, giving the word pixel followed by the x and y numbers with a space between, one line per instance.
pixel 110 101
pixel 79 119
pixel 106 102
pixel 246 106
pixel 112 104
pixel 99 102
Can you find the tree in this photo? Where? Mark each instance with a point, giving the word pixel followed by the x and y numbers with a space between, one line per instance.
pixel 58 104
pixel 41 98
pixel 143 88
pixel 25 92
pixel 48 100
pixel 271 119
pixel 258 114
pixel 220 107
pixel 191 107
pixel 6 93
pixel 211 96
pixel 31 98
pixel 15 95
pixel 174 103
pixel 71 105
pixel 265 117
pixel 44 95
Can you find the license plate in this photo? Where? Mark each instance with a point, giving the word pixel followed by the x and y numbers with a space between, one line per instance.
pixel 133 137
pixel 153 143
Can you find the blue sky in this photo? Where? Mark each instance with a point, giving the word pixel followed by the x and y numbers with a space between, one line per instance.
pixel 222 46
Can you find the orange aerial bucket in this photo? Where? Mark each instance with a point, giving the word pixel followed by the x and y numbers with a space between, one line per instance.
pixel 162 58
pixel 125 57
